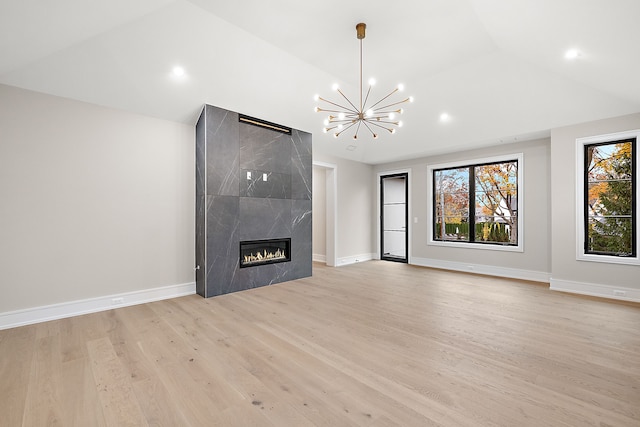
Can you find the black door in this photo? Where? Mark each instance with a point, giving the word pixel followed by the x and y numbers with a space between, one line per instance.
pixel 394 238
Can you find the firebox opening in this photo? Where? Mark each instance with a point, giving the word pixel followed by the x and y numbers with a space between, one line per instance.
pixel 260 252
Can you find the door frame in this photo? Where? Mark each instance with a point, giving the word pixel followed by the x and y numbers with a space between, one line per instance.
pixel 331 214
pixel 408 189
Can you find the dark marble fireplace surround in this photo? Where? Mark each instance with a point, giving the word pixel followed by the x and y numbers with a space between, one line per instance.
pixel 234 206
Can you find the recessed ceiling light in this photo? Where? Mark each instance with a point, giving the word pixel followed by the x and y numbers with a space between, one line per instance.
pixel 178 71
pixel 445 117
pixel 572 54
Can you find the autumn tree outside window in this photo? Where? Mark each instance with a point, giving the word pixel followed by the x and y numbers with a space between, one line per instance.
pixel 477 203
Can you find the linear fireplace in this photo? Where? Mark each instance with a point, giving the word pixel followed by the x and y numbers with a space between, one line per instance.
pixel 260 252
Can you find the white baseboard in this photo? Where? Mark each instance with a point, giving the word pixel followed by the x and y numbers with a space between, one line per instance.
pixel 355 258
pixel 45 313
pixel 319 258
pixel 490 270
pixel 596 290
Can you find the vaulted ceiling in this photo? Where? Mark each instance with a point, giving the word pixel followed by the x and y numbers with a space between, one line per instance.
pixel 497 67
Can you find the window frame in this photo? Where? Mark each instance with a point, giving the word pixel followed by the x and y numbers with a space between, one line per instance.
pixel 581 212
pixel 517 157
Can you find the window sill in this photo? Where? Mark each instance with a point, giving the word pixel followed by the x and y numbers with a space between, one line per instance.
pixel 609 259
pixel 481 246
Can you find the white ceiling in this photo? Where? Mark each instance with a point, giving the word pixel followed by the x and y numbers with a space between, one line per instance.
pixel 496 66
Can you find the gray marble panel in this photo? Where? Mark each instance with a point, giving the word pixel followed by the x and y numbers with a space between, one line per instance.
pixel 264 218
pixel 264 275
pixel 223 247
pixel 201 171
pixel 264 149
pixel 301 165
pixel 276 186
pixel 200 255
pixel 301 243
pixel 222 151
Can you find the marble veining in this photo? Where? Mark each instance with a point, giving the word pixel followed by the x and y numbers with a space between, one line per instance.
pixel 301 165
pixel 275 186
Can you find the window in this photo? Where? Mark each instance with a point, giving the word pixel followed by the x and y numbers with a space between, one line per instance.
pixel 477 203
pixel 607 198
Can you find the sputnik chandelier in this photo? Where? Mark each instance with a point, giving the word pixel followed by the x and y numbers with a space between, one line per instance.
pixel 375 116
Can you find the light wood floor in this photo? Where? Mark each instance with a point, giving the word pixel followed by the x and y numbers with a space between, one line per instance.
pixel 372 344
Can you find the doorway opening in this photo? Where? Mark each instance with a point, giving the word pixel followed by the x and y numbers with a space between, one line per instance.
pixel 394 216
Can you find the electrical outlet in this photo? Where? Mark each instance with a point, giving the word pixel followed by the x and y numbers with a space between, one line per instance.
pixel 116 301
pixel 619 293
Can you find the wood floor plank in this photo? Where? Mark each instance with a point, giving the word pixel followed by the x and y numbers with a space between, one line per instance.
pixel 16 354
pixel 370 344
pixel 119 404
pixel 80 404
pixel 43 401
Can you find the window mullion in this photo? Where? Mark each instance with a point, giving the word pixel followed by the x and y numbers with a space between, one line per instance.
pixel 634 201
pixel 472 204
pixel 585 198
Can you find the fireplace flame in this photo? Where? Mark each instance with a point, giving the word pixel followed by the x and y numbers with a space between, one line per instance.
pixel 264 256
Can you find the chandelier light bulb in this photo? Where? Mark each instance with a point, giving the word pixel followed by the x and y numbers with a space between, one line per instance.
pixel 316 97
pixel 335 87
pixel 400 124
pixel 316 109
pixel 370 113
pixel 325 130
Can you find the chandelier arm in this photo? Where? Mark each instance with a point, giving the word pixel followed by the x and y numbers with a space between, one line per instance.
pixel 380 126
pixel 396 103
pixel 370 130
pixel 346 128
pixel 322 110
pixel 358 129
pixel 345 120
pixel 382 99
pixel 378 122
pixel 355 109
pixel 366 98
pixel 339 106
pixel 384 113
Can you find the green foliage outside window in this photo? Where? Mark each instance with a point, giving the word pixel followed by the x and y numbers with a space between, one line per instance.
pixel 609 199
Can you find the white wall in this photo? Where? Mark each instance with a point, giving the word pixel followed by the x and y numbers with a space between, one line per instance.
pixel 534 263
pixel 319 208
pixel 94 201
pixel 568 273
pixel 355 197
